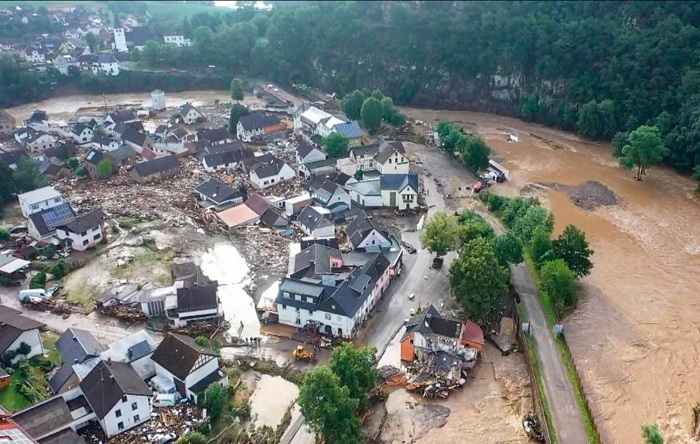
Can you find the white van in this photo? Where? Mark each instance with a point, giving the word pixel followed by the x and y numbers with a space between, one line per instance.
pixel 29 295
pixel 165 400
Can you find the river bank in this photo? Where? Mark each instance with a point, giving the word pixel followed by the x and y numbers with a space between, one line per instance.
pixel 636 323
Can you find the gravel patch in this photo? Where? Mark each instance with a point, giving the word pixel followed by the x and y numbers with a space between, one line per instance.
pixel 588 195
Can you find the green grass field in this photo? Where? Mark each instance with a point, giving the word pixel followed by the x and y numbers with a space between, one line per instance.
pixel 11 398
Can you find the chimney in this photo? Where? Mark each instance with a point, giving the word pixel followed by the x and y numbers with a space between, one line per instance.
pixel 74 338
pixel 75 361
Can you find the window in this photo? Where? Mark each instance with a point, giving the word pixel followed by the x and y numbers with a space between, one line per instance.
pixel 373 241
pixel 310 299
pixel 137 418
pixel 57 200
pixel 286 294
pixel 134 406
pixel 297 309
pixel 389 161
pixel 284 307
pixel 35 206
pixel 328 316
pixel 120 426
pixel 118 413
pixel 333 306
pixel 83 234
pixel 97 236
pixel 311 312
pixel 124 398
pixel 85 242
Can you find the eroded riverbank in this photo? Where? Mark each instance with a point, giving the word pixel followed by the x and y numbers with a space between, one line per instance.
pixel 635 335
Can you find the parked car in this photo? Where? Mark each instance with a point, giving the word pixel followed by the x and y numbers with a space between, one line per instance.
pixel 168 439
pixel 53 290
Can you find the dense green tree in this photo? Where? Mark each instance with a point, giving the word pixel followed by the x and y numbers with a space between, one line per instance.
pixel 352 104
pixel 572 247
pixel 541 246
pixel 473 229
pixel 644 149
pixel 328 408
pixel 150 53
pixel 356 369
pixel 81 171
pixel 92 42
pixel 27 176
pixel 335 145
pixel 4 234
pixel 237 111
pixel 559 282
pixel 371 115
pixel 439 234
pixel 597 119
pixel 475 153
pixel 215 398
pixel 104 168
pixel 477 280
pixel 651 434
pixel 38 280
pixel 7 182
pixel 509 249
pixel 236 90
pixel 533 218
pixel 192 438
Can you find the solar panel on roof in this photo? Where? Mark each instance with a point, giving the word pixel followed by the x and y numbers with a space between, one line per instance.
pixel 58 216
pixel 91 155
pixel 139 350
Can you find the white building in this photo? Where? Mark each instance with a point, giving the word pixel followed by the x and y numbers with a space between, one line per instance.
pixel 177 40
pixel 81 133
pixel 366 192
pixel 255 125
pixel 392 159
pixel 184 367
pixel 117 395
pixel 399 190
pixel 364 234
pixel 195 303
pixel 16 330
pixel 35 56
pixel 106 64
pixel 120 40
pixel 84 231
pixel 331 196
pixel 39 200
pixel 313 222
pixel 158 100
pixel 306 152
pixel 190 115
pixel 268 171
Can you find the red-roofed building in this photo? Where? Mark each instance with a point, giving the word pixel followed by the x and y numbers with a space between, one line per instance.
pixel 472 335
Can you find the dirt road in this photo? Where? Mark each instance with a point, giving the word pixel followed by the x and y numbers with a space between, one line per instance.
pixel 634 336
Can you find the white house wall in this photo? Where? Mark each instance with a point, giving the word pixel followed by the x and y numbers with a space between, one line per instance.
pixel 78 239
pixel 110 423
pixel 200 373
pixel 31 338
pixel 288 315
pixel 374 239
pixel 28 209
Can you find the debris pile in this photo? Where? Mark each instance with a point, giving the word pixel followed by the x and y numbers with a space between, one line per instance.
pixel 588 195
pixel 263 248
pixel 50 305
pixel 199 328
pixel 130 314
pixel 177 420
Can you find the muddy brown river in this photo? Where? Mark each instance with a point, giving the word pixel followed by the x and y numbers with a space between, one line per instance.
pixel 635 335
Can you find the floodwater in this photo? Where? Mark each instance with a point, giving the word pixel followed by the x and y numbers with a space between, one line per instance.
pixel 272 397
pixel 635 336
pixel 223 263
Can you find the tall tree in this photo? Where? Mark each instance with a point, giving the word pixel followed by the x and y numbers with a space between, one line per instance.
pixel 572 247
pixel 644 149
pixel 150 53
pixel 651 434
pixel 236 90
pixel 352 104
pixel 91 40
pixel 104 168
pixel 534 217
pixel 355 367
pixel 439 234
pixel 560 284
pixel 27 176
pixel 237 111
pixel 509 249
pixel 335 145
pixel 328 408
pixel 371 114
pixel 477 280
pixel 7 182
pixel 215 398
pixel 541 246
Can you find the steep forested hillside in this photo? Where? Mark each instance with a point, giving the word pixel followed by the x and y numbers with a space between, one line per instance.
pixel 598 68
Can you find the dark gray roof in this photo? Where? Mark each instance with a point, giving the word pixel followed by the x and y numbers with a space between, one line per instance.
pixel 12 325
pixel 139 350
pixel 106 58
pixel 12 157
pixel 398 182
pixel 312 219
pixel 133 136
pixel 217 191
pixel 365 150
pixel 94 157
pixel 85 221
pixel 376 266
pixel 105 385
pixel 225 157
pixel 78 128
pixel 161 129
pixel 77 345
pixel 69 148
pixel 186 108
pixel 320 164
pixel 430 322
pixel 44 220
pixel 267 167
pixel 315 258
pixel 257 121
pixel 331 242
pixel 122 116
pixel 304 149
pixel 178 354
pixel 386 149
pixel 184 270
pixel 122 153
pixel 102 140
pixel 179 132
pixel 349 296
pixel 360 227
pixel 197 297
pixel 64 436
pixel 156 165
pixel 214 135
pixel 45 417
pixel 64 373
pixel 272 217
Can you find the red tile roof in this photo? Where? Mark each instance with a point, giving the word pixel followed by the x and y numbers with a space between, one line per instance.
pixel 472 332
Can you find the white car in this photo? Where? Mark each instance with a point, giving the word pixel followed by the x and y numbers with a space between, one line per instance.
pixel 411 296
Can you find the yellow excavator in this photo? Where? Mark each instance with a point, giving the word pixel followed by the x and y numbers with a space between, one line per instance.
pixel 301 354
